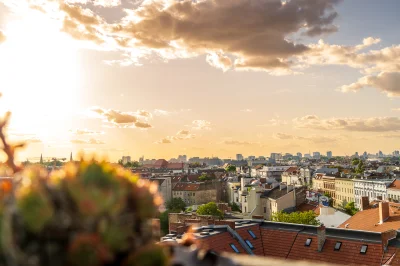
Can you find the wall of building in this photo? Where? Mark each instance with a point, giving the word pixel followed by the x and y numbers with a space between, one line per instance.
pixel 344 192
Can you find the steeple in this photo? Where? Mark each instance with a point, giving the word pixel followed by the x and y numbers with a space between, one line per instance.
pixel 41 159
pixel 70 157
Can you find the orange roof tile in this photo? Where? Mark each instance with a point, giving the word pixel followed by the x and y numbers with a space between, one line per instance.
pixel 221 243
pixel 186 187
pixel 395 184
pixel 257 242
pixel 368 220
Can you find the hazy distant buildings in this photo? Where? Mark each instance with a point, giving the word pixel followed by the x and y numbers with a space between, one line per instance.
pixel 182 158
pixel 307 155
pixel 329 154
pixel 365 154
pixel 396 153
pixel 251 157
pixel 380 154
pixel 299 155
pixel 316 155
pixel 276 156
pixel 126 159
pixel 239 157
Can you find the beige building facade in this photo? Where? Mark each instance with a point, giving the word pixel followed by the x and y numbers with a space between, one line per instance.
pixel 344 192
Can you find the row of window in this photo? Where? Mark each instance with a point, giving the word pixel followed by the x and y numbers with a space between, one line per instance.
pixel 184 193
pixel 345 190
pixel 249 244
pixel 338 245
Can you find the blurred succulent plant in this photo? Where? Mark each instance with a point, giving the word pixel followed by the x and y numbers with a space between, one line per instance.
pixel 86 214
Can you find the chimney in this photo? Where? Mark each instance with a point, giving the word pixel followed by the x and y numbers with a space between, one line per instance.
pixel 383 212
pixel 364 203
pixel 321 235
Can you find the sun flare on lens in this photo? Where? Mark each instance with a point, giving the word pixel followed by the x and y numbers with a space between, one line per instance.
pixel 39 74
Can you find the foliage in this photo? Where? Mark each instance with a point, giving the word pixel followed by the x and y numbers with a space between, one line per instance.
pixel 190 209
pixel 350 208
pixel 234 207
pixel 355 161
pixel 205 177
pixel 195 165
pixel 230 168
pixel 129 164
pixel 176 204
pixel 164 221
pixel 308 217
pixel 360 168
pixel 88 213
pixel 210 208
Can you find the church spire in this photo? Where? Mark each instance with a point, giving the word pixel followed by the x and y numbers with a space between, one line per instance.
pixel 70 157
pixel 41 159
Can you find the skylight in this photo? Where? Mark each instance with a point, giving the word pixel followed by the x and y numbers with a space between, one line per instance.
pixel 308 242
pixel 338 245
pixel 363 249
pixel 252 234
pixel 249 244
pixel 234 248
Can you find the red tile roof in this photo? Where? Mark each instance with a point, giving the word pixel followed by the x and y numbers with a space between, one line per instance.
pixel 257 242
pixel 395 184
pixel 277 243
pixel 368 220
pixel 175 165
pixel 220 243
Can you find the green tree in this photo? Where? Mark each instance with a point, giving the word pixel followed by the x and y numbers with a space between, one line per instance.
pixel 176 204
pixel 230 168
pixel 164 221
pixel 204 177
pixel 234 207
pixel 355 161
pixel 210 208
pixel 360 168
pixel 308 217
pixel 350 208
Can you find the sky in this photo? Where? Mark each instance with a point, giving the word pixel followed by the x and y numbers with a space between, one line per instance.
pixel 160 78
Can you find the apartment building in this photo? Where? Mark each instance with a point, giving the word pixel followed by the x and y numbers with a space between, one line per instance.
pixel 393 191
pixel 373 189
pixel 344 192
pixel 195 193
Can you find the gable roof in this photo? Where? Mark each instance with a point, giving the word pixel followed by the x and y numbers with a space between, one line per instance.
pixel 395 184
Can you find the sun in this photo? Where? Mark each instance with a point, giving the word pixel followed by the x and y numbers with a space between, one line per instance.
pixel 39 73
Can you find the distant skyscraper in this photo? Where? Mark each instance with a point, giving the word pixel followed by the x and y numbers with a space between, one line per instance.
pixel 396 153
pixel 329 154
pixel 239 157
pixel 126 159
pixel 251 157
pixel 365 154
pixel 299 154
pixel 182 158
pixel 356 154
pixel 380 154
pixel 307 155
pixel 276 156
pixel 316 155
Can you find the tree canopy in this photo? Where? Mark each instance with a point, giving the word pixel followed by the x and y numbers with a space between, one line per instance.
pixel 308 217
pixel 355 161
pixel 350 208
pixel 176 204
pixel 230 168
pixel 210 208
pixel 360 168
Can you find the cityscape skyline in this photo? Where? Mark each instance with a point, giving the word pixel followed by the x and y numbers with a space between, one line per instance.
pixel 114 92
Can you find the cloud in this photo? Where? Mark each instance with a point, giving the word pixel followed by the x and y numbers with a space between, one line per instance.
pixel 180 135
pixel 164 141
pixel 312 138
pixel 219 60
pixel 253 32
pixel 32 140
pixel 159 112
pixel 396 109
pixel 388 83
pixel 201 124
pixel 246 110
pixel 238 143
pixel 90 141
pixel 124 119
pixel 2 37
pixel 373 124
pixel 85 132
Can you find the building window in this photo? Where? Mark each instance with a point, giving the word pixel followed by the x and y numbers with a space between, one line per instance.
pixel 249 244
pixel 308 242
pixel 252 234
pixel 364 249
pixel 234 248
pixel 338 245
